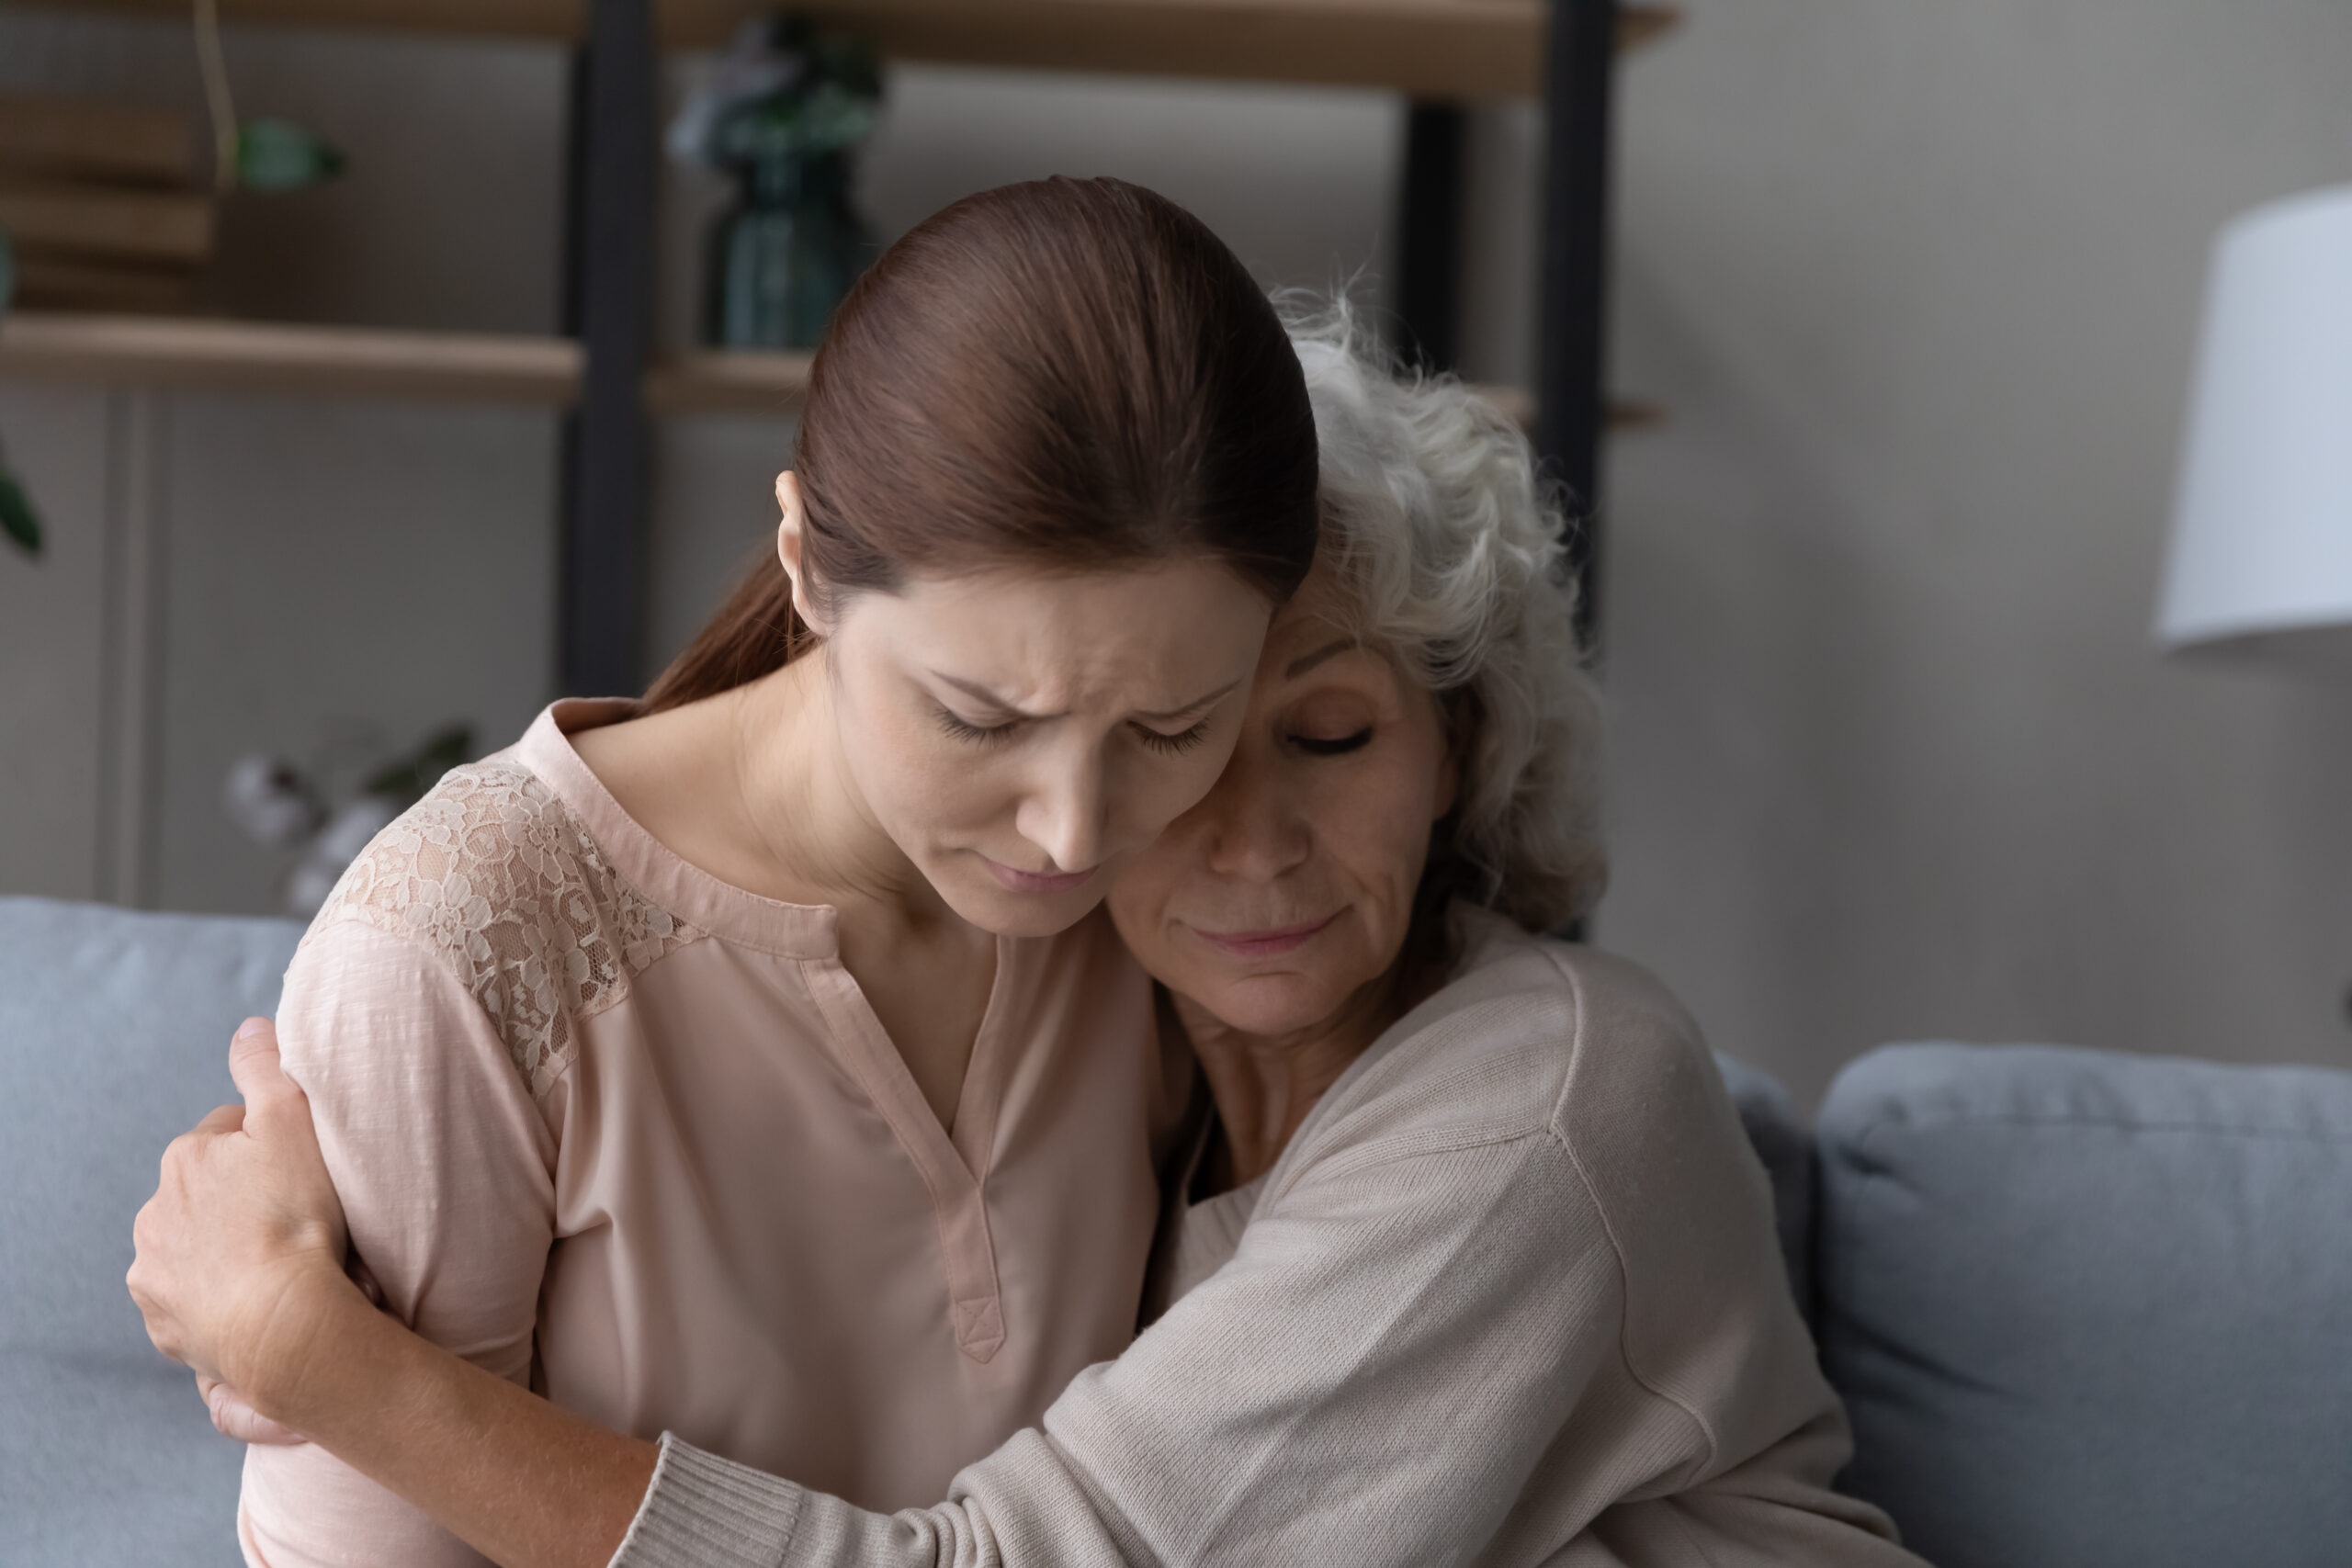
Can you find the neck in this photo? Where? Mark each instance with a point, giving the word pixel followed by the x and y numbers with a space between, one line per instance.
pixel 1266 1084
pixel 802 814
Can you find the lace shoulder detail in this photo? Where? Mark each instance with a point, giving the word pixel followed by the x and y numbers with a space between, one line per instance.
pixel 497 877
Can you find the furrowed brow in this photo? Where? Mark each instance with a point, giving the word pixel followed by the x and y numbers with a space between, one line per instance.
pixel 1193 707
pixel 981 693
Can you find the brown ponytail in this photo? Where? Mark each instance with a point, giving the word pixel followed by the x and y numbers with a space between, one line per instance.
pixel 1070 374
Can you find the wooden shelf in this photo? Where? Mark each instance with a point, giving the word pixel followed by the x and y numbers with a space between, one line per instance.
pixel 218 356
pixel 256 357
pixel 740 383
pixel 201 355
pixel 549 21
pixel 1439 48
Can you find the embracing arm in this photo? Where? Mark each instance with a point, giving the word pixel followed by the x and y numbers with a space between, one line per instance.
pixel 240 1274
pixel 1369 1382
pixel 523 1481
pixel 444 1161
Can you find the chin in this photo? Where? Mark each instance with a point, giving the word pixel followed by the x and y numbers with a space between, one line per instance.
pixel 1269 1004
pixel 1002 913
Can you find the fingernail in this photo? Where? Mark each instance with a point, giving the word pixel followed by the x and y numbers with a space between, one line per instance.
pixel 252 1026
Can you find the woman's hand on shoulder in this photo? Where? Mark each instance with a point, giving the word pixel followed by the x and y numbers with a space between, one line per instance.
pixel 240 1267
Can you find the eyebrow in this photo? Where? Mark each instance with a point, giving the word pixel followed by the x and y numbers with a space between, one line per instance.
pixel 982 694
pixel 1328 650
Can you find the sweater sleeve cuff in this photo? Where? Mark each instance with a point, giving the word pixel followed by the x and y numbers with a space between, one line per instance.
pixel 702 1511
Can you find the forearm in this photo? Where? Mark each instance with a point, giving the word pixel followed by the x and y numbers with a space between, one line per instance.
pixel 1367 1382
pixel 519 1479
pixel 1023 1505
pixel 443 1161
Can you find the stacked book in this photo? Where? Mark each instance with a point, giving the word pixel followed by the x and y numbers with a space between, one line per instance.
pixel 102 205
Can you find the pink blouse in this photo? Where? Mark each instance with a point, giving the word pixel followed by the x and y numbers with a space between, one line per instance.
pixel 605 1123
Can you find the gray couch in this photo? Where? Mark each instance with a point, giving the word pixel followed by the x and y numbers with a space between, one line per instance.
pixel 2086 1309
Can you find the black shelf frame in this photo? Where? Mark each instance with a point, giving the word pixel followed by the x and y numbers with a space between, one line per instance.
pixel 605 484
pixel 1571 403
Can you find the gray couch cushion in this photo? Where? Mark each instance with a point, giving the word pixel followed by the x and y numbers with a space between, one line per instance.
pixel 114 1038
pixel 2089 1309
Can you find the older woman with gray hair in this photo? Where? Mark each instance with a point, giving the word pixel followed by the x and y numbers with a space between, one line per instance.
pixel 1466 1258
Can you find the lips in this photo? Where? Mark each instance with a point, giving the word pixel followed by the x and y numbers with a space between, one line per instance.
pixel 1037 881
pixel 1264 943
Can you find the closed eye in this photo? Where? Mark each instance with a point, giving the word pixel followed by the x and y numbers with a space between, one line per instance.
pixel 1333 746
pixel 978 734
pixel 1173 745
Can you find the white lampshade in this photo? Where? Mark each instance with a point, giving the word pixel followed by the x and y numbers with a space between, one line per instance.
pixel 2262 530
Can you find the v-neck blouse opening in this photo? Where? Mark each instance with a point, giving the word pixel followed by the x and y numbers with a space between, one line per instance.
pixel 720 1226
pixel 953 1162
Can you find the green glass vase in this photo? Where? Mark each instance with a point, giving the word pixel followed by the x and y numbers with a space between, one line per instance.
pixel 782 258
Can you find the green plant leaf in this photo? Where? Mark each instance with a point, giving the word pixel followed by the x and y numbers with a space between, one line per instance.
pixel 17 519
pixel 279 156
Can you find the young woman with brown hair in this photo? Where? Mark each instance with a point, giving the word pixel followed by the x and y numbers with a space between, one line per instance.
pixel 752 1062
pixel 1471 1263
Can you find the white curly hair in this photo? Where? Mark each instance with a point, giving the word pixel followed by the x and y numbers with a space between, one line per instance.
pixel 1448 545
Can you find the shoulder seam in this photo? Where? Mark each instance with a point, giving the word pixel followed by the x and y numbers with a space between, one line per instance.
pixel 1609 1228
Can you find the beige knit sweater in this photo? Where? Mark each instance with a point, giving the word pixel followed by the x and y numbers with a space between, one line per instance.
pixel 1510 1297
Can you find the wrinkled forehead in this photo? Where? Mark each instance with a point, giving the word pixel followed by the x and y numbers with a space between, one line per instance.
pixel 1320 612
pixel 1321 603
pixel 1152 637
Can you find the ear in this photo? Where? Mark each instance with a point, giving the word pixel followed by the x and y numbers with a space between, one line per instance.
pixel 791 535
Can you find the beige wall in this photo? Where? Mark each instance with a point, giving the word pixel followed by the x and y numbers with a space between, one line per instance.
pixel 333 574
pixel 1892 757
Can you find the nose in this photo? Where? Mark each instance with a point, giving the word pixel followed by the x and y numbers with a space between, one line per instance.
pixel 1253 831
pixel 1063 813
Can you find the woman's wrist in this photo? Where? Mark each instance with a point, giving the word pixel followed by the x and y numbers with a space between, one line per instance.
pixel 523 1483
pixel 287 1364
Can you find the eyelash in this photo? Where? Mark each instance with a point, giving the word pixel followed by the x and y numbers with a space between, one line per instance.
pixel 1173 745
pixel 978 734
pixel 998 734
pixel 1335 748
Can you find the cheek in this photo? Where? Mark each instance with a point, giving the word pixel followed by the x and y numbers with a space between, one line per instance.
pixel 1150 879
pixel 1383 821
pixel 1134 902
pixel 1149 792
pixel 1149 887
pixel 915 779
pixel 921 790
